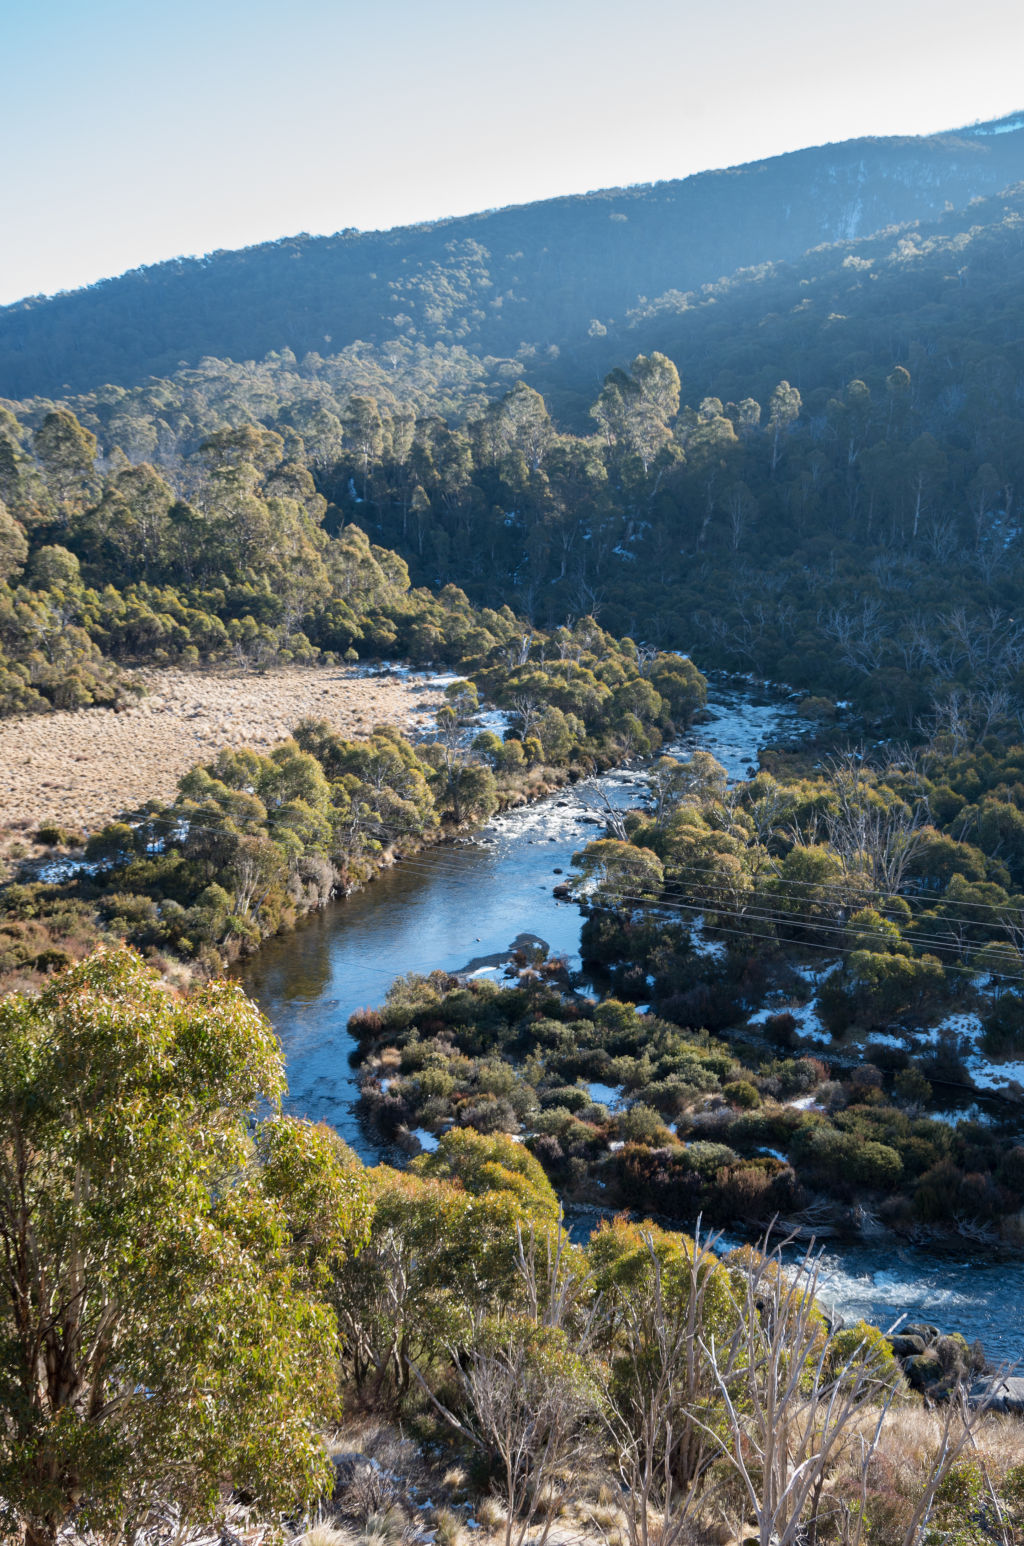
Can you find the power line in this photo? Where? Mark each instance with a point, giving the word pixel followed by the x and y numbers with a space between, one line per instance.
pixel 762 914
pixel 742 916
pixel 655 905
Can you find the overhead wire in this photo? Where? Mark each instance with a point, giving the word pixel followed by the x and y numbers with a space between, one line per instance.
pixel 737 915
pixel 670 895
pixel 673 893
pixel 639 901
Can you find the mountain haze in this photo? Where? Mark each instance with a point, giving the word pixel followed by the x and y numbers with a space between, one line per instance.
pixel 513 282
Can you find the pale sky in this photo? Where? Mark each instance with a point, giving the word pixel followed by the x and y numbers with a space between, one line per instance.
pixel 137 130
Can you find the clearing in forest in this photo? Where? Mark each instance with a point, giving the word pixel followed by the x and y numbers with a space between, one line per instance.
pixel 80 768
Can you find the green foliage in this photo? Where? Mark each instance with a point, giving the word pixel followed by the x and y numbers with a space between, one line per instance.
pixel 864 1346
pixel 875 989
pixel 486 1165
pixel 150 1272
pixel 254 841
pixel 617 873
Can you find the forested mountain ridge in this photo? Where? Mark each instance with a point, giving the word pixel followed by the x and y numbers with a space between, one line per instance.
pixel 514 282
pixel 809 470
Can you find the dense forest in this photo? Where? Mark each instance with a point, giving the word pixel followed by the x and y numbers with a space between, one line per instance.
pixel 526 282
pixel 851 526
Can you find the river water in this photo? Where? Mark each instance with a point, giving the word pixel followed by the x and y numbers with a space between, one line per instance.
pixel 461 907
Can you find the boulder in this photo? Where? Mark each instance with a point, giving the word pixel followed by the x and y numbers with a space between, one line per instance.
pixel 922 1329
pixel 1001 1393
pixel 922 1370
pixel 906 1346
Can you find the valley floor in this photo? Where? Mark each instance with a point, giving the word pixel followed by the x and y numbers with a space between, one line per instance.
pixel 81 768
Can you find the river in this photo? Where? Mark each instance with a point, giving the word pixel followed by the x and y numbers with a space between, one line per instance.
pixel 461 907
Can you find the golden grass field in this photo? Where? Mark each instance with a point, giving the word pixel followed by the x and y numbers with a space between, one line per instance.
pixel 81 768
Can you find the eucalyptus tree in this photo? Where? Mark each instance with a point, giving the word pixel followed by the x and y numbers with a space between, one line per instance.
pixel 160 1326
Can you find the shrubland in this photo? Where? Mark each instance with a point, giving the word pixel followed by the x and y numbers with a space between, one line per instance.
pixel 252 842
pixel 189 1298
pixel 881 901
pixel 631 1110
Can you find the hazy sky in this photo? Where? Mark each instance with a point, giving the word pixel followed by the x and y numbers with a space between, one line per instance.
pixel 137 130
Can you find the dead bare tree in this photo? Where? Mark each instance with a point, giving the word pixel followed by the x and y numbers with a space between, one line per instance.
pixel 794 1409
pixel 593 798
pixel 860 635
pixel 528 1397
pixel 956 1433
pixel 791 1408
pixel 873 836
pixel 660 1391
pixel 526 708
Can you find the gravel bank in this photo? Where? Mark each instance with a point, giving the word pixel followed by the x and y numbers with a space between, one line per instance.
pixel 81 768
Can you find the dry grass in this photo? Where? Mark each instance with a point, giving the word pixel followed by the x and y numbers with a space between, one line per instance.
pixel 490 1514
pixel 911 1437
pixel 81 768
pixel 449 1529
pixel 326 1535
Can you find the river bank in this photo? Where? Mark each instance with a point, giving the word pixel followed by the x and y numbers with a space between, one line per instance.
pixel 460 908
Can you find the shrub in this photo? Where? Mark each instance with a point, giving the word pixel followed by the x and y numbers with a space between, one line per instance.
pixel 741 1093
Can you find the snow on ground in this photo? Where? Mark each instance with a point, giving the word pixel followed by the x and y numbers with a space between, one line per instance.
pixel 605 1095
pixel 709 949
pixel 491 719
pixel 816 974
pixel 964 1025
pixel 806 1016
pixel 952 1117
pixel 995 1076
pixel 984 1072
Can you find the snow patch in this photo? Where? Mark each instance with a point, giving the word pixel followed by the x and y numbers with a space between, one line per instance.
pixel 806 1016
pixel 995 1076
pixel 804 1103
pixel 998 128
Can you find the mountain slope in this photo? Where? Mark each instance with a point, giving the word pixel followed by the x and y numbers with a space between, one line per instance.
pixel 511 281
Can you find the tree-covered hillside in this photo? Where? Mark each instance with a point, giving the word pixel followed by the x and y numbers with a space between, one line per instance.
pixel 811 471
pixel 517 281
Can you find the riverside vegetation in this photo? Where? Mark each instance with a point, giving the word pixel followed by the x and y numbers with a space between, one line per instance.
pixel 190 1298
pixel 185 1299
pixel 252 842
